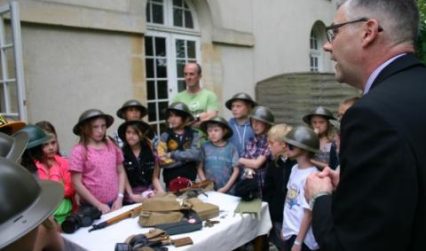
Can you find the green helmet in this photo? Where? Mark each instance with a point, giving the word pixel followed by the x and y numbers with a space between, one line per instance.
pixel 263 113
pixel 240 96
pixel 131 103
pixel 144 127
pixel 181 109
pixel 90 114
pixel 220 121
pixel 12 147
pixel 304 138
pixel 319 111
pixel 24 202
pixel 36 135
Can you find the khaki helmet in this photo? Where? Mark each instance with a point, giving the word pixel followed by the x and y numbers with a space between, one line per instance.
pixel 304 138
pixel 131 103
pixel 12 147
pixel 319 111
pixel 24 202
pixel 36 136
pixel 9 126
pixel 220 121
pixel 263 113
pixel 240 96
pixel 181 109
pixel 90 114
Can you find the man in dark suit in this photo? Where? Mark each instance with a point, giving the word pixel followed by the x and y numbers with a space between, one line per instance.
pixel 378 200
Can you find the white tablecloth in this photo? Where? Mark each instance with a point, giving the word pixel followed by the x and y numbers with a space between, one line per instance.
pixel 233 230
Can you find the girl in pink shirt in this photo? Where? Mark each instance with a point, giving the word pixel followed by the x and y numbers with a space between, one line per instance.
pixel 96 163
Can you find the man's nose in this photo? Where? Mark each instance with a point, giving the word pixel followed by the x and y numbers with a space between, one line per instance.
pixel 327 46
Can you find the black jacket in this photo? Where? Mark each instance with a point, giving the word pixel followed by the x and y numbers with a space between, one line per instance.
pixel 380 202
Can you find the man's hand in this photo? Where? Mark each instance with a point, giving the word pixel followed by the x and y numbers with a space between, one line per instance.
pixel 334 175
pixel 316 184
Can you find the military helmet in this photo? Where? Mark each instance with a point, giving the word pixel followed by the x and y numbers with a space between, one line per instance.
pixel 36 135
pixel 319 111
pixel 24 202
pixel 240 96
pixel 220 121
pixel 181 109
pixel 90 114
pixel 12 147
pixel 304 138
pixel 144 127
pixel 263 113
pixel 131 103
pixel 9 126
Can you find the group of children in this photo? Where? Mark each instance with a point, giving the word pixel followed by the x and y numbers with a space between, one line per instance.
pixel 107 172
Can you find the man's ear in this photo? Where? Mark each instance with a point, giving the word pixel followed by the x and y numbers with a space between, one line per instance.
pixel 371 30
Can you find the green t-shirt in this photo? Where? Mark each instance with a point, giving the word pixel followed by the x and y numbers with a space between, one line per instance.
pixel 202 101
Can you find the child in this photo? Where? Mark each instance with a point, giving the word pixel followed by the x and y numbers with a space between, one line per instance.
pixel 241 105
pixel 130 110
pixel 257 152
pixel 49 128
pixel 36 138
pixel 51 166
pixel 140 164
pixel 182 143
pixel 319 121
pixel 96 163
pixel 219 156
pixel 302 144
pixel 277 172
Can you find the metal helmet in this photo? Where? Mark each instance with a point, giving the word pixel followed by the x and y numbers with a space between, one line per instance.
pixel 319 111
pixel 304 138
pixel 12 147
pixel 240 96
pixel 36 135
pixel 90 114
pixel 9 126
pixel 131 103
pixel 263 113
pixel 144 127
pixel 24 202
pixel 220 121
pixel 180 108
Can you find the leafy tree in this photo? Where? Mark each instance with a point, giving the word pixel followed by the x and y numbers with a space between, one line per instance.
pixel 421 41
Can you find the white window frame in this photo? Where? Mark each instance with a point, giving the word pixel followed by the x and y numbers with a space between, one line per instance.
pixel 315 54
pixel 11 11
pixel 172 33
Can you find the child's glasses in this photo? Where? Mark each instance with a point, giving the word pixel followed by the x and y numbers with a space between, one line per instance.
pixel 290 147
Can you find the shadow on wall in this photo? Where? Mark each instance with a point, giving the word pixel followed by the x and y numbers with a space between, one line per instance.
pixel 293 95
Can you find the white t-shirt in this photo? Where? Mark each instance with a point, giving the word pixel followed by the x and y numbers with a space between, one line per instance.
pixel 295 204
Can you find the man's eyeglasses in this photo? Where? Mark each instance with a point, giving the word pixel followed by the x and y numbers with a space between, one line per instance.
pixel 332 30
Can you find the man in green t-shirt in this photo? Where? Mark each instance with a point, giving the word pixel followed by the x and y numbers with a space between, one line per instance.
pixel 202 103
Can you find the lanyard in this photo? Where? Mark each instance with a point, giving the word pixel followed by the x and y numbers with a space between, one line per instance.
pixel 241 139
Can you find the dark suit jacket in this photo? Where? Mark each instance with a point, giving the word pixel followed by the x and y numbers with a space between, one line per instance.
pixel 380 201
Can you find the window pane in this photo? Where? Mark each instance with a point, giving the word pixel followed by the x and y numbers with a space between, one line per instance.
pixel 180 48
pixel 180 64
pixel 148 46
pixel 188 20
pixel 149 64
pixel 148 13
pixel 161 67
pixel 152 116
pixel 160 46
pixel 177 17
pixel 191 49
pixel 163 107
pixel 181 85
pixel 158 14
pixel 162 90
pixel 177 3
pixel 150 90
pixel 163 127
pixel 158 1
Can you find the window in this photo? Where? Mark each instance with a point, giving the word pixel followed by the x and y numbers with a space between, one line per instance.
pixel 171 41
pixel 315 53
pixel 12 88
